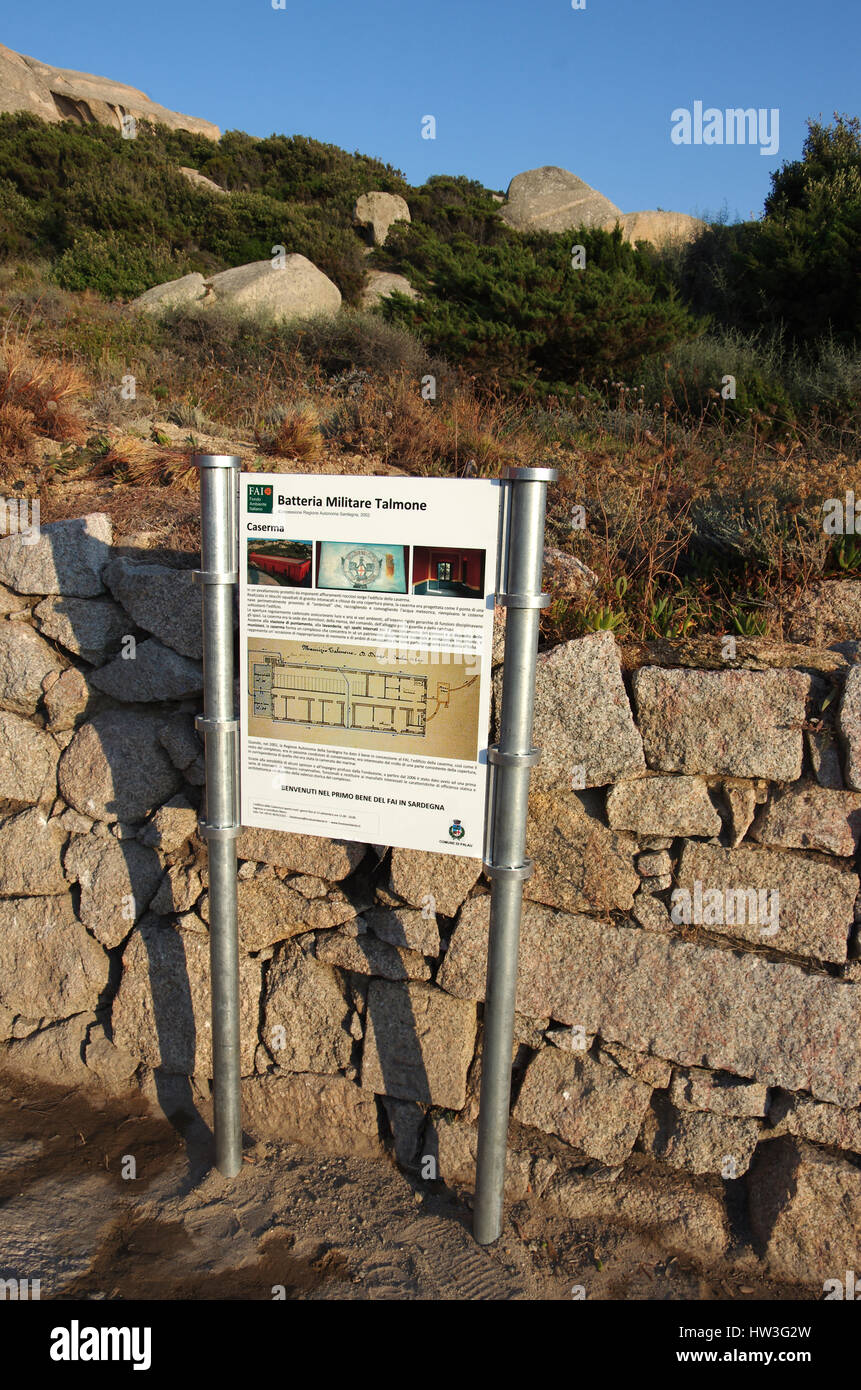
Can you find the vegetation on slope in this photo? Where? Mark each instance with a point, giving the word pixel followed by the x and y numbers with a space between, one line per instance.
pixel 702 513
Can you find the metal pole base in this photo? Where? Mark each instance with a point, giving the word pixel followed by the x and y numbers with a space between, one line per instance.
pixel 220 825
pixel 512 760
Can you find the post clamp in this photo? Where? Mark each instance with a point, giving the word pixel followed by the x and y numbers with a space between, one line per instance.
pixel 215 576
pixel 522 600
pixel 217 832
pixel 514 474
pixel 205 725
pixel 218 460
pixel 514 872
pixel 496 756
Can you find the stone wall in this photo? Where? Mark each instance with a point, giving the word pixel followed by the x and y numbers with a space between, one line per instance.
pixel 689 997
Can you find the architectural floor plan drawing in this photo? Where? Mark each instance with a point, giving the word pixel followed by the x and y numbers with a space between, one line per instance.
pixel 332 696
pixel 415 704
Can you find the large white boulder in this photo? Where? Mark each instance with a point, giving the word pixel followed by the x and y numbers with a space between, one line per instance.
pixel 551 199
pixel 296 289
pixel 660 228
pixel 382 283
pixel 200 180
pixel 188 289
pixel 378 211
pixel 60 94
pixel 291 289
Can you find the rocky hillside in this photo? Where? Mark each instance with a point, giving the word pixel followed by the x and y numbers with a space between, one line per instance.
pixel 549 288
pixel 544 199
pixel 487 343
pixel 59 94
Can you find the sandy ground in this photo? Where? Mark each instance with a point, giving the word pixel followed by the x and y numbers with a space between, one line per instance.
pixel 317 1227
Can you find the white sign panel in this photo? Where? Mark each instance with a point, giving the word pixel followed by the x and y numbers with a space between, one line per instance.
pixel 366 611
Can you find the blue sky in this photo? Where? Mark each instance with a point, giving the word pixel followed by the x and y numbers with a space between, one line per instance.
pixel 511 85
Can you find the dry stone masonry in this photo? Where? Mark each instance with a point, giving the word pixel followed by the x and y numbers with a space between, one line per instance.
pixel 689 999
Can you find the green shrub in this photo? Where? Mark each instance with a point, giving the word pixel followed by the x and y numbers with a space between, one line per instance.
pixel 363 340
pixel 110 264
pixel 799 268
pixel 292 168
pixel 827 378
pixel 76 194
pixel 248 225
pixel 447 206
pixel 352 340
pixel 689 378
pixel 773 381
pixel 19 223
pixel 518 311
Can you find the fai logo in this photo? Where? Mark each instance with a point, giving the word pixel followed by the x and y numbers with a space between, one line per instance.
pixel 456 830
pixel 259 498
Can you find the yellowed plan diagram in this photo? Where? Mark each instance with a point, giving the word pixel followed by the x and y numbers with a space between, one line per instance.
pixel 339 697
pixel 348 696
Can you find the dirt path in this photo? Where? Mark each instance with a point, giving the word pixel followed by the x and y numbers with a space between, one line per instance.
pixel 292 1224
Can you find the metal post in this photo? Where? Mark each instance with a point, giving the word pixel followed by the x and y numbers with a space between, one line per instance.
pixel 512 759
pixel 220 824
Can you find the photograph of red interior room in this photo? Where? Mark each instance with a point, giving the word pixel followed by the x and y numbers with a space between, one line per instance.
pixel 445 571
pixel 284 563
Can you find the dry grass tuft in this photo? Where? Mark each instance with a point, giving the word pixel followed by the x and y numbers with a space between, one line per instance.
pixel 180 473
pixel 291 432
pixel 140 464
pixel 135 456
pixel 36 396
pixel 463 434
pixel 17 433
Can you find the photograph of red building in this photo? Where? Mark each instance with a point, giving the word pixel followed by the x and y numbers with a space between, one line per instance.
pixel 447 572
pixel 286 563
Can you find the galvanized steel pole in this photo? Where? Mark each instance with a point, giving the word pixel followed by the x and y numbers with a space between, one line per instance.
pixel 507 867
pixel 219 826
